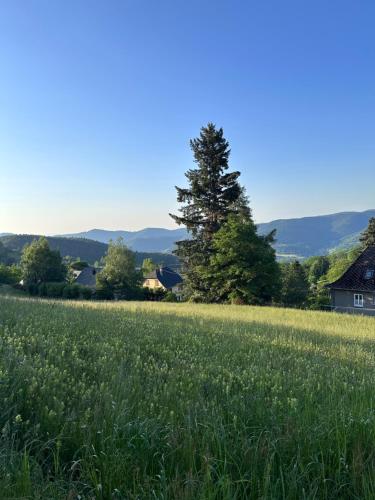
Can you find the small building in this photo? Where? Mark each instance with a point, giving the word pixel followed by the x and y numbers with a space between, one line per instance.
pixel 166 279
pixel 86 277
pixel 354 292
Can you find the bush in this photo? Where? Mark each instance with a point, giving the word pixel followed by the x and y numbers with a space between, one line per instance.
pixel 86 293
pixel 104 293
pixel 9 275
pixel 54 290
pixel 71 291
pixel 153 294
pixel 170 297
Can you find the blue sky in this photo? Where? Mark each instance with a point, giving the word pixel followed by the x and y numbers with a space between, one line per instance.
pixel 98 101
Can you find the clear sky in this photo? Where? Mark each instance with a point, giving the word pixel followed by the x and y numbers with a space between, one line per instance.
pixel 98 101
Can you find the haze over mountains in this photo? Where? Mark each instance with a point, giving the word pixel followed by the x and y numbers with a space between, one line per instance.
pixel 302 237
pixel 145 240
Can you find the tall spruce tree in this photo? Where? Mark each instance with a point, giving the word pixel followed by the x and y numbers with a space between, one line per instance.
pixel 213 194
pixel 368 236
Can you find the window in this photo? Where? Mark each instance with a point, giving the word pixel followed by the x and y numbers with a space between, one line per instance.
pixel 358 300
pixel 369 274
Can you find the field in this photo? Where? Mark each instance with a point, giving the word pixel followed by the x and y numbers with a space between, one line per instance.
pixel 178 401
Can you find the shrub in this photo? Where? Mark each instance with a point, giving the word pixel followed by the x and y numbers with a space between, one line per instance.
pixel 54 290
pixel 170 297
pixel 86 293
pixel 71 291
pixel 9 275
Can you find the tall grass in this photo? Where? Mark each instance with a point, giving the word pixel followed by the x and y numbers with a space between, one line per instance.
pixel 145 400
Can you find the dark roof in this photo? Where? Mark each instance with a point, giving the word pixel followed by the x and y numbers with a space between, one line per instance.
pixel 167 277
pixel 87 277
pixel 355 277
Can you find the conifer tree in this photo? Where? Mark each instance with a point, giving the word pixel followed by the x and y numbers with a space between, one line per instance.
pixel 244 268
pixel 367 238
pixel 212 195
pixel 295 287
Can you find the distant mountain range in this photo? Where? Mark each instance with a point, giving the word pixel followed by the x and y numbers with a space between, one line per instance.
pixel 300 238
pixel 318 235
pixel 146 240
pixel 303 237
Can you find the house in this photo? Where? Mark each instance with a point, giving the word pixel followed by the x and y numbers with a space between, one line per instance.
pixel 166 279
pixel 354 292
pixel 86 277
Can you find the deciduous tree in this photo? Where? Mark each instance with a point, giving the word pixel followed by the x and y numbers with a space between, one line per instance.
pixel 40 264
pixel 119 276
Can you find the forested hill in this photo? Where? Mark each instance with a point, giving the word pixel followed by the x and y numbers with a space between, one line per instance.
pixel 302 237
pixel 317 235
pixel 85 249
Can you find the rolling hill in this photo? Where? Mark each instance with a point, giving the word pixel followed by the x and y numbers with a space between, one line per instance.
pixel 85 249
pixel 317 235
pixel 301 237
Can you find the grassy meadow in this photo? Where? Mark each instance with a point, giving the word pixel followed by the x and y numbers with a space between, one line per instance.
pixel 180 401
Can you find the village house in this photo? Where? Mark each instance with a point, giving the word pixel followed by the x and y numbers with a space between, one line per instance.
pixel 166 279
pixel 86 277
pixel 354 292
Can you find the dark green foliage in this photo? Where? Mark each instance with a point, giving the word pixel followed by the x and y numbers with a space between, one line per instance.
pixel 10 275
pixel 148 266
pixel 7 257
pixel 119 276
pixel 86 293
pixel 53 290
pixel 170 297
pixel 71 291
pixel 78 248
pixel 60 290
pixel 103 290
pixel 339 262
pixel 368 236
pixel 213 194
pixel 295 287
pixel 315 268
pixel 243 268
pixel 319 298
pixel 40 264
pixel 154 294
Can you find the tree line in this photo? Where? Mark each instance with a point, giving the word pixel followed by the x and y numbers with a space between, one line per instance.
pixel 224 260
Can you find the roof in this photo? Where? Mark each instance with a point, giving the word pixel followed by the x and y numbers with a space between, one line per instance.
pixel 167 277
pixel 355 277
pixel 86 277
